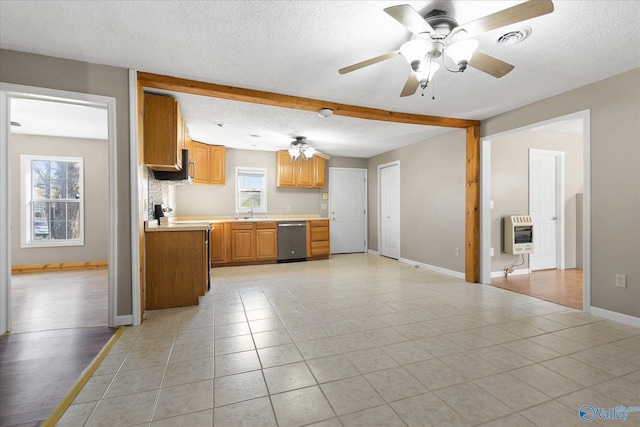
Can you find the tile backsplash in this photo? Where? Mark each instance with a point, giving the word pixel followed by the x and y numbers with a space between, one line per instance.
pixel 158 194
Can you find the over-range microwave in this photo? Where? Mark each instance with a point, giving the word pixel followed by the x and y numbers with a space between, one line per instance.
pixel 183 176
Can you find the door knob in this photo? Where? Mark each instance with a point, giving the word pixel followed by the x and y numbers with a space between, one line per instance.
pixel 554 218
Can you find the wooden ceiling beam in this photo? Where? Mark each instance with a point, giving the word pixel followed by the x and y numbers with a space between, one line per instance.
pixel 193 87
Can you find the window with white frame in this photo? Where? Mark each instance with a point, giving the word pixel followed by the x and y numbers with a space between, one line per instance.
pixel 52 194
pixel 251 189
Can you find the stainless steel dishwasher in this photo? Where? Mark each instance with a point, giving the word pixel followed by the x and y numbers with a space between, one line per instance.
pixel 292 241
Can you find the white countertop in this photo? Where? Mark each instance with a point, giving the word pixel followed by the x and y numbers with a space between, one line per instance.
pixel 152 225
pixel 256 218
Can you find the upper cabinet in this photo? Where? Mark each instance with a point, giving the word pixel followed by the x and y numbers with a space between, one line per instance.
pixel 165 133
pixel 209 163
pixel 310 173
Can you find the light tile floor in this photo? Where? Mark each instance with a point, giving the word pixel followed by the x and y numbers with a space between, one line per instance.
pixel 361 340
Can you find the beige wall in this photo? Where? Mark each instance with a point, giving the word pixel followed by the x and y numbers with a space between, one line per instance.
pixel 219 200
pixel 432 200
pixel 510 186
pixel 62 74
pixel 614 105
pixel 96 198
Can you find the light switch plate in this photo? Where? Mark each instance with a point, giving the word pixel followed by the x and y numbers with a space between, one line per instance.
pixel 621 280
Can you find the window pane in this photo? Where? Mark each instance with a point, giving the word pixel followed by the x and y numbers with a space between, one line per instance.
pixel 40 189
pixel 40 169
pixel 58 169
pixel 59 211
pixel 73 211
pixel 40 220
pixel 59 230
pixel 250 199
pixel 58 189
pixel 73 230
pixel 250 182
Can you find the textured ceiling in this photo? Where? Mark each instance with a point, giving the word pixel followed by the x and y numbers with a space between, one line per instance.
pixel 296 48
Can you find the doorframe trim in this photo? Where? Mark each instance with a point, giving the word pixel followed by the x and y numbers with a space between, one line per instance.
pixel 380 167
pixel 8 91
pixel 366 203
pixel 485 179
pixel 560 157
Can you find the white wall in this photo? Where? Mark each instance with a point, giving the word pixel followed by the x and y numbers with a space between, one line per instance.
pixel 96 198
pixel 219 200
pixel 510 186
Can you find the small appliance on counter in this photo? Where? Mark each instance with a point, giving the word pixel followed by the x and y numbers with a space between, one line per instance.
pixel 158 213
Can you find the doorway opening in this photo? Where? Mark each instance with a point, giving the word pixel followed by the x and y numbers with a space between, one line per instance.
pixel 50 123
pixel 526 171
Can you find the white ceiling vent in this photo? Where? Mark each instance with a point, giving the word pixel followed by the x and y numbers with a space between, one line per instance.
pixel 514 36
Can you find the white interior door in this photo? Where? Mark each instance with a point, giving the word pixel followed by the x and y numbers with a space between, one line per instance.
pixel 544 201
pixel 347 204
pixel 389 182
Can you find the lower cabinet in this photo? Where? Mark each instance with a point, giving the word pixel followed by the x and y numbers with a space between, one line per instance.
pixel 177 268
pixel 256 242
pixel 266 241
pixel 217 244
pixel 318 239
pixel 243 242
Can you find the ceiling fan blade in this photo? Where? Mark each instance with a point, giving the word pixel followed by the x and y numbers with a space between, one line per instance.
pixel 490 65
pixel 368 62
pixel 411 85
pixel 407 16
pixel 512 15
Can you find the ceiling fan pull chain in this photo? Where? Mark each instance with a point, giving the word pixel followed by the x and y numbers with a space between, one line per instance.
pixel 433 90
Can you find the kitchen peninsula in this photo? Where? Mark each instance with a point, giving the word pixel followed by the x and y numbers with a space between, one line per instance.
pixel 176 263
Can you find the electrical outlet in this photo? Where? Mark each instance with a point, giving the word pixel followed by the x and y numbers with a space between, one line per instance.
pixel 621 280
pixel 288 208
pixel 457 250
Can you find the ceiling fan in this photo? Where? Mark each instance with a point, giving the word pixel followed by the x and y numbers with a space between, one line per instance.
pixel 300 147
pixel 436 33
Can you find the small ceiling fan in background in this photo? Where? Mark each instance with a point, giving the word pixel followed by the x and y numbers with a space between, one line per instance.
pixel 300 147
pixel 436 34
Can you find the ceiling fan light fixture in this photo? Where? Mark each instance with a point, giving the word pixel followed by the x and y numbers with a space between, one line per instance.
pixel 308 152
pixel 415 50
pixel 294 152
pixel 461 52
pixel 425 75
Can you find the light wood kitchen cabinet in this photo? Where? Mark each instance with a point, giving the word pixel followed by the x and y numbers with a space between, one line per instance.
pixel 243 242
pixel 165 133
pixel 217 244
pixel 300 173
pixel 318 239
pixel 266 241
pixel 209 163
pixel 177 268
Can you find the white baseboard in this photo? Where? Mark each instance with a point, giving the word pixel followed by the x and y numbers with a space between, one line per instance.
pixel 446 271
pixel 615 316
pixel 515 272
pixel 372 252
pixel 125 320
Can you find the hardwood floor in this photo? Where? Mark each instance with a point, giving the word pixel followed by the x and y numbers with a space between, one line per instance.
pixel 55 336
pixel 59 300
pixel 559 286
